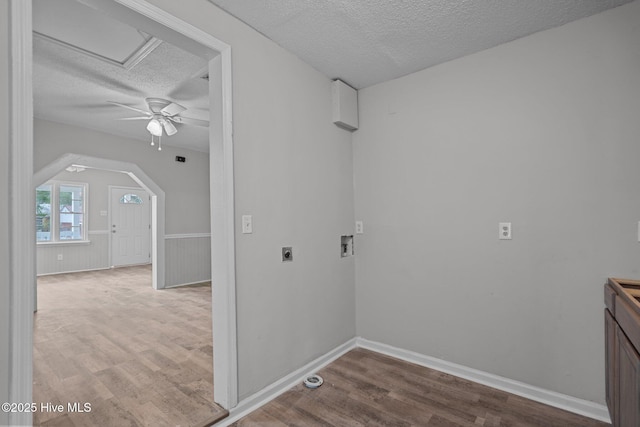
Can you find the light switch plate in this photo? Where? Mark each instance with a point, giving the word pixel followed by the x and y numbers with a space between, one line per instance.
pixel 247 224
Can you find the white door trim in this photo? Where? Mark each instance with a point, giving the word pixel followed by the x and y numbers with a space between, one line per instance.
pixel 22 275
pixel 222 201
pixel 223 246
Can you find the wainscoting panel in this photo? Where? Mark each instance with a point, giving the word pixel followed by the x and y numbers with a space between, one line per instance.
pixel 188 258
pixel 75 256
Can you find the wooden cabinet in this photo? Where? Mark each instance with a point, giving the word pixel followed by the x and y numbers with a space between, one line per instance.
pixel 622 341
pixel 610 338
pixel 629 382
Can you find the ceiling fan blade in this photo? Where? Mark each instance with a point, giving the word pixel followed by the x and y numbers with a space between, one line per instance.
pixel 135 118
pixel 172 109
pixel 169 128
pixel 189 121
pixel 129 107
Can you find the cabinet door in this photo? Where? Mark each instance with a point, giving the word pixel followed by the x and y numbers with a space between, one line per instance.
pixel 610 363
pixel 628 375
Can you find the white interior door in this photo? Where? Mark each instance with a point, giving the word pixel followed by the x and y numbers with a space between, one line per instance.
pixel 130 226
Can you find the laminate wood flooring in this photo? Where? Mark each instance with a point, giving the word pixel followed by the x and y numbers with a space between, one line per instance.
pixel 364 388
pixel 140 357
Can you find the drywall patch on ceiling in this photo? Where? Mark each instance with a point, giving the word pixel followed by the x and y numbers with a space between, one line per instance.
pixel 128 62
pixel 364 42
pixel 87 31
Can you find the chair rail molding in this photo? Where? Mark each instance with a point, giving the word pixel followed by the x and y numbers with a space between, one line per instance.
pixel 187 236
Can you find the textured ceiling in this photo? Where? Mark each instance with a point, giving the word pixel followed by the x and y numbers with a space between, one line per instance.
pixel 84 58
pixel 365 42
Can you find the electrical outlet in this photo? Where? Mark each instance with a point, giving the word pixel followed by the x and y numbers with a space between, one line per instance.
pixel 359 227
pixel 504 231
pixel 59 257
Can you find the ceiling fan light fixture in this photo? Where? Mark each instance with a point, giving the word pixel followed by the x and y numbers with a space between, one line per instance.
pixel 162 115
pixel 169 128
pixel 154 127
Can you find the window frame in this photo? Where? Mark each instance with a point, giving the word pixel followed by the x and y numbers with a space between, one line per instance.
pixel 54 226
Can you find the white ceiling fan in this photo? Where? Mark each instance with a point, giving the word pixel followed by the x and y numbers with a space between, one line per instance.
pixel 162 114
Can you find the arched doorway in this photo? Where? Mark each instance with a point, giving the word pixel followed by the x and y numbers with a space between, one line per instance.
pixel 138 175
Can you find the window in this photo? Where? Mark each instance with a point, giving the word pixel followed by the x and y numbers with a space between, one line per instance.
pixel 131 198
pixel 60 212
pixel 43 213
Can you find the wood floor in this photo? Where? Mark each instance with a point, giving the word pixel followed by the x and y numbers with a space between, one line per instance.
pixel 364 388
pixel 140 357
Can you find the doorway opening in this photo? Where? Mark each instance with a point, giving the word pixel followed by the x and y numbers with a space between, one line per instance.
pixel 221 192
pixel 104 336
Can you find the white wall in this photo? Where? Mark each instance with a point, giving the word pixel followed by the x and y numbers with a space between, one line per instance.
pixel 78 257
pixel 5 220
pixel 542 132
pixel 293 173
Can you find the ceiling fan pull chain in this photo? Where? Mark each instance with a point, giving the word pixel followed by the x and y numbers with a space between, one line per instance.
pixel 152 143
pixel 160 143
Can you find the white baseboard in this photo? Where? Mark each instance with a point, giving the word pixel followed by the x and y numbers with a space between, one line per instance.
pixel 179 285
pixel 548 397
pixel 73 271
pixel 274 390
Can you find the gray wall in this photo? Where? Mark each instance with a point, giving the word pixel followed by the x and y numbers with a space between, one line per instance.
pixel 99 182
pixel 541 132
pixel 5 219
pixel 78 257
pixel 186 185
pixel 294 174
